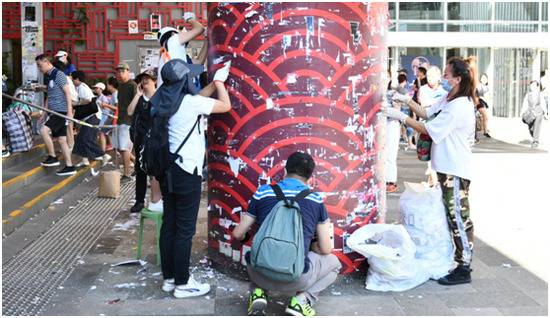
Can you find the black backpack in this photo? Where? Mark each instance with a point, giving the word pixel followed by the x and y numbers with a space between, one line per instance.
pixel 156 158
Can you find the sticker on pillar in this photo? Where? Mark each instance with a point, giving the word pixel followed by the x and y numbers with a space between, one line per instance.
pixel 236 164
pixel 225 248
pixel 345 248
pixel 245 249
pixel 286 43
pixel 355 33
pixel 309 32
pixel 236 255
pixel 268 10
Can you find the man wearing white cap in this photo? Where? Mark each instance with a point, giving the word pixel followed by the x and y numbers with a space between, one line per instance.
pixel 64 57
pixel 173 42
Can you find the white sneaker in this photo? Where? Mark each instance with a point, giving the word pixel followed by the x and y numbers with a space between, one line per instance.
pixel 169 285
pixel 83 163
pixel 156 207
pixel 191 289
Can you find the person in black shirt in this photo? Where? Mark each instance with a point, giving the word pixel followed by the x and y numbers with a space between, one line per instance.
pixel 140 110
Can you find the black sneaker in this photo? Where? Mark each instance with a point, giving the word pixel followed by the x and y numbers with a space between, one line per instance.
pixel 138 206
pixel 50 162
pixel 459 275
pixel 67 171
pixel 487 135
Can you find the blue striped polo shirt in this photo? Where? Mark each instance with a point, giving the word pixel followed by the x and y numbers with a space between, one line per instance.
pixel 56 96
pixel 312 208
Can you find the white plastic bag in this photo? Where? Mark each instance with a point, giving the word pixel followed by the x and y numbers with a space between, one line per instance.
pixel 390 252
pixel 423 215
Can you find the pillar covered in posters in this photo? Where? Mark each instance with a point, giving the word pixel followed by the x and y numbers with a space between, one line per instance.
pixel 304 77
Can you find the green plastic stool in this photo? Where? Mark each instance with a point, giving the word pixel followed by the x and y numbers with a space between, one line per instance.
pixel 155 216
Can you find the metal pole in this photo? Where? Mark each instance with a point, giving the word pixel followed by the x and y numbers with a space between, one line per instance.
pixel 56 113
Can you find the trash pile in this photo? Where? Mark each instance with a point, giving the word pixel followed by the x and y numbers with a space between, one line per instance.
pixel 403 256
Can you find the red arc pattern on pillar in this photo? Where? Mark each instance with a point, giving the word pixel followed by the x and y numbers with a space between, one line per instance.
pixel 304 76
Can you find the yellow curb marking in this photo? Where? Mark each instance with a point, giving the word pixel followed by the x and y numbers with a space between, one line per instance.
pixel 25 175
pixel 15 213
pixel 51 190
pixel 22 176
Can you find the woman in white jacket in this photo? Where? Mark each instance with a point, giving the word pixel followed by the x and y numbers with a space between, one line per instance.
pixel 533 110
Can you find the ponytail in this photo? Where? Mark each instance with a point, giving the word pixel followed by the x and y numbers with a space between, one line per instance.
pixel 465 69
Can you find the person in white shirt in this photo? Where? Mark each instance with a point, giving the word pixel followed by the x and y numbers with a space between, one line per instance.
pixel 533 110
pixel 181 184
pixel 452 131
pixel 174 43
pixel 430 94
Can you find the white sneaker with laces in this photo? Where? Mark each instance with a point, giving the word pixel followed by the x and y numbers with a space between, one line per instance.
pixel 156 207
pixel 169 285
pixel 191 289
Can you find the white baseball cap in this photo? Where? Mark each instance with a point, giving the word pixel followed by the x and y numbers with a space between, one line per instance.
pixel 100 85
pixel 163 34
pixel 61 53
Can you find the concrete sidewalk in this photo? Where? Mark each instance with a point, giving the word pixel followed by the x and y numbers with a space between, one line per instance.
pixel 500 286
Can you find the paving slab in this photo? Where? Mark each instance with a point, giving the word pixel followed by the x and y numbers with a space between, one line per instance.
pixel 490 311
pixel 420 304
pixel 524 311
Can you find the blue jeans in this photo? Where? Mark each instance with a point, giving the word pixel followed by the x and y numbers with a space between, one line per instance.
pixel 181 207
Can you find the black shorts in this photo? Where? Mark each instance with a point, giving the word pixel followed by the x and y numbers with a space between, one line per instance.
pixel 57 125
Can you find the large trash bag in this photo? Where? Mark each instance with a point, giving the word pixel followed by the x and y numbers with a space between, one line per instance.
pixel 391 256
pixel 423 215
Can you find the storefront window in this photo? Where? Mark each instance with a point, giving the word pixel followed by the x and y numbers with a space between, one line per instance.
pixel 421 10
pixel 516 27
pixel 469 11
pixel 463 27
pixel 412 27
pixel 545 11
pixel 391 10
pixel 517 11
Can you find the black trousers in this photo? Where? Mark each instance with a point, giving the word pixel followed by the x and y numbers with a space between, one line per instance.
pixel 181 207
pixel 141 177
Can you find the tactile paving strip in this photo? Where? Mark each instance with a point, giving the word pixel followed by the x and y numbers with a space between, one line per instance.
pixel 31 278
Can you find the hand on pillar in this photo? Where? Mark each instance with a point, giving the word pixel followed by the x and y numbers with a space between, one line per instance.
pixel 187 16
pixel 222 74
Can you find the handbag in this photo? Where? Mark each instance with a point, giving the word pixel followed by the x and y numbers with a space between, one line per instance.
pixel 83 111
pixel 424 143
pixel 424 147
pixel 528 117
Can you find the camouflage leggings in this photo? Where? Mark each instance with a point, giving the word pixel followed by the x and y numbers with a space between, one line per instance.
pixel 462 228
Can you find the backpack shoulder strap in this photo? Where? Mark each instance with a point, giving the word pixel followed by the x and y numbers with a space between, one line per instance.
pixel 279 194
pixel 302 195
pixel 188 135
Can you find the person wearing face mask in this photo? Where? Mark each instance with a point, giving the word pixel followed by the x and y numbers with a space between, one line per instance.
pixel 140 110
pixel 533 109
pixel 431 92
pixel 428 95
pixel 451 131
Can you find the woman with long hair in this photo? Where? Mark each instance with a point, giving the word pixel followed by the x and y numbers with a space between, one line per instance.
pixel 451 129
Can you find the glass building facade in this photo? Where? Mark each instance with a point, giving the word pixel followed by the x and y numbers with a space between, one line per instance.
pixel 509 39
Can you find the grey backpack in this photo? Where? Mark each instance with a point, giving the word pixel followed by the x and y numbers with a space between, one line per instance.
pixel 278 246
